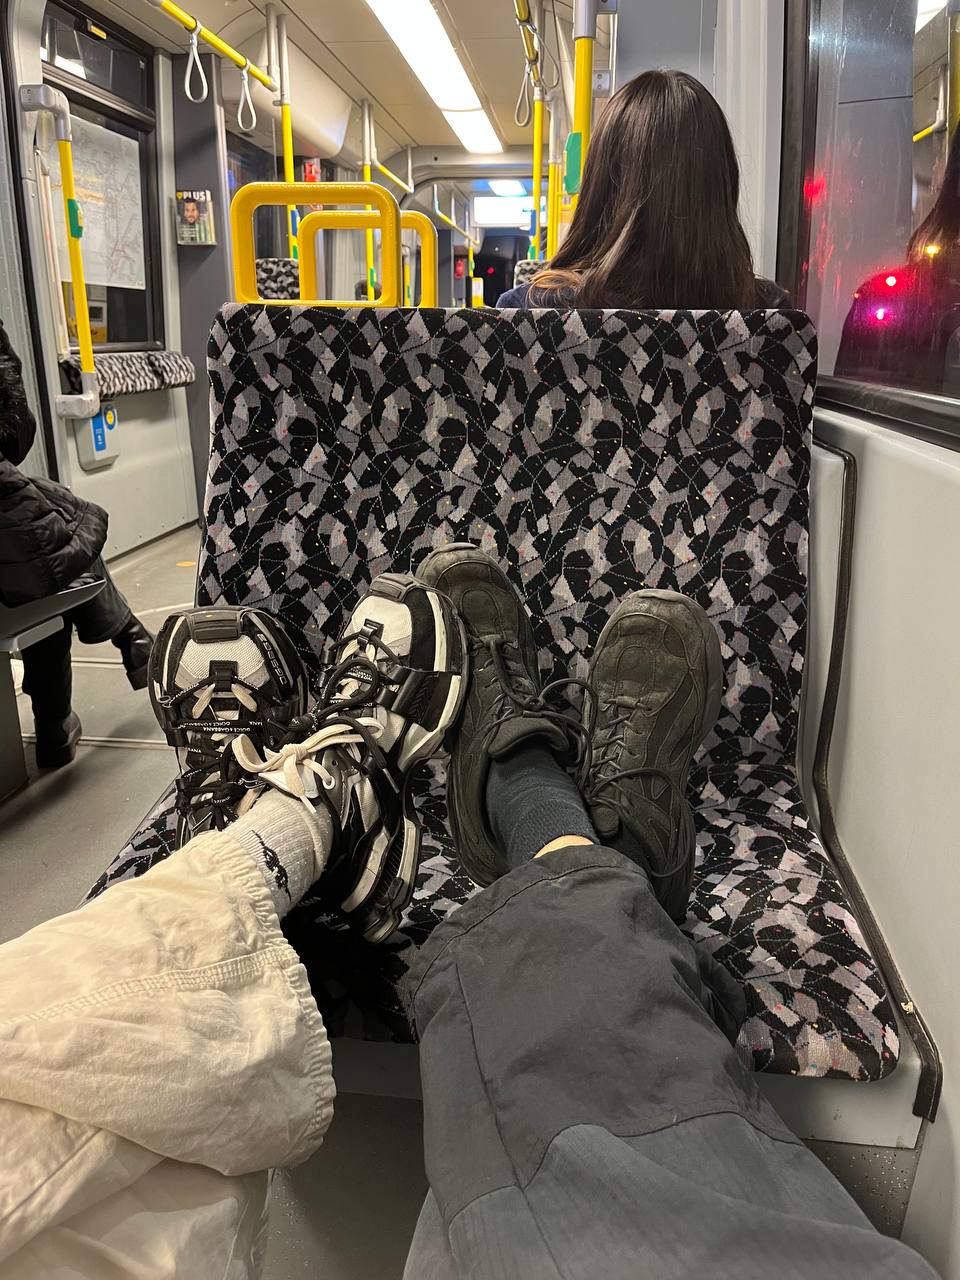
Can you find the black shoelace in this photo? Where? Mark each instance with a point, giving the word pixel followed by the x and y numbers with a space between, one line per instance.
pixel 603 780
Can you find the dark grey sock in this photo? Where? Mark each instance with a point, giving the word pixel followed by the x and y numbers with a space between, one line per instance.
pixel 531 801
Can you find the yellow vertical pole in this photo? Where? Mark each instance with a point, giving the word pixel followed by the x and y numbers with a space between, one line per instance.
pixel 553 181
pixel 78 283
pixel 286 127
pixel 537 168
pixel 368 237
pixel 366 109
pixel 407 290
pixel 582 102
pixel 555 171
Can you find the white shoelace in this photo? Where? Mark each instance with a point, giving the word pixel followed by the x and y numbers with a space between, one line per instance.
pixel 293 757
pixel 207 693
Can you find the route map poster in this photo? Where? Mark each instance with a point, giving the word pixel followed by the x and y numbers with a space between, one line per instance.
pixel 107 172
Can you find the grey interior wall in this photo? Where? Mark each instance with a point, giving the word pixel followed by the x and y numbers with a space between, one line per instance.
pixel 678 34
pixel 206 282
pixel 893 761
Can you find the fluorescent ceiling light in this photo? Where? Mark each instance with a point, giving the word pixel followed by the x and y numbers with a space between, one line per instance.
pixel 507 187
pixel 475 131
pixel 418 33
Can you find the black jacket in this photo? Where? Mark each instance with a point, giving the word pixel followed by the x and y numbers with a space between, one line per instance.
pixel 48 536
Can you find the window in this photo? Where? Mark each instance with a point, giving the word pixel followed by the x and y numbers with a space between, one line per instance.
pixel 882 196
pixel 246 162
pixel 108 80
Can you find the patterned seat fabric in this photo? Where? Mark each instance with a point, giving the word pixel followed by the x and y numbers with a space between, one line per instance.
pixel 592 453
pixel 278 278
pixel 525 269
pixel 128 373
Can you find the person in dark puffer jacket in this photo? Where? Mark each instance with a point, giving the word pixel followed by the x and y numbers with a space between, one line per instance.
pixel 49 539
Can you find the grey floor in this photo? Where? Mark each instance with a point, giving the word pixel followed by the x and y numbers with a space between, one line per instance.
pixel 349 1213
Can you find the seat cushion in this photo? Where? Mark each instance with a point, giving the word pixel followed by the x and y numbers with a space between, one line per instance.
pixel 766 904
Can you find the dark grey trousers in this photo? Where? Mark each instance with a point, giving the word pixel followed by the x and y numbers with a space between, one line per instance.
pixel 584 1117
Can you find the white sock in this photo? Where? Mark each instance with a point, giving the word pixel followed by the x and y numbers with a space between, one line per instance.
pixel 288 844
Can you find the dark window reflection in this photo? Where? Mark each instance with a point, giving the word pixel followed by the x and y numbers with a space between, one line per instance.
pixel 884 276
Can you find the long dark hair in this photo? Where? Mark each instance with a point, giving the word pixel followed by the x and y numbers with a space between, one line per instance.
pixel 656 224
pixel 940 229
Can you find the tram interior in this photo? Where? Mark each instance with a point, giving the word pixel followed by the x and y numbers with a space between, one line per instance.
pixel 844 114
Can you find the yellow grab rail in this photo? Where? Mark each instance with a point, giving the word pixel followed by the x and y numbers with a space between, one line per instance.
pixel 525 22
pixel 537 169
pixel 78 283
pixel 286 123
pixel 582 104
pixel 196 27
pixel 402 183
pixel 368 220
pixel 256 194
pixel 43 97
pixel 553 208
pixel 474 244
pixel 410 220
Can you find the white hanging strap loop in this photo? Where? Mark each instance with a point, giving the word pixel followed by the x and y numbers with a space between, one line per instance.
pixel 248 124
pixel 193 61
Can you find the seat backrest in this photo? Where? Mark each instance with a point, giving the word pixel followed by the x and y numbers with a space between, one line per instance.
pixel 278 278
pixel 593 453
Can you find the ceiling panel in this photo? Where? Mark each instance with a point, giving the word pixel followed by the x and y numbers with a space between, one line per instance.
pixel 498 65
pixel 382 67
pixel 508 129
pixel 426 124
pixel 495 18
pixel 338 20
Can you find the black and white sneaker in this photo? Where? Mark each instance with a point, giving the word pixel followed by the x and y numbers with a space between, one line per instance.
pixel 394 689
pixel 214 674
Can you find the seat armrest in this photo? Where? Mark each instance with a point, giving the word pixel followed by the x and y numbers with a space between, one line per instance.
pixel 18 622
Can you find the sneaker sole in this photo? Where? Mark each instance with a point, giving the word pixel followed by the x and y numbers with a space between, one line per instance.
pixel 384 891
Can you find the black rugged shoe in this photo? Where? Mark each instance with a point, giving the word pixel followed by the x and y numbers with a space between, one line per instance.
pixel 215 674
pixel 654 689
pixel 394 689
pixel 135 643
pixel 504 705
pixel 57 741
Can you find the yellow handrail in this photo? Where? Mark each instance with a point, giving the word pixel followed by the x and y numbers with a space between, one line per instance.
pixel 553 208
pixel 450 222
pixel 78 284
pixel 582 99
pixel 363 220
pixel 286 120
pixel 537 168
pixel 388 173
pixel 256 194
pixel 530 52
pixel 196 27
pixel 429 276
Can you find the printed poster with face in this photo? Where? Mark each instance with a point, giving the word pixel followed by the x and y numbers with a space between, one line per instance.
pixel 195 223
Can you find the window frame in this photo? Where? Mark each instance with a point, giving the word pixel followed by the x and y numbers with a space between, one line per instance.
pixel 83 94
pixel 926 416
